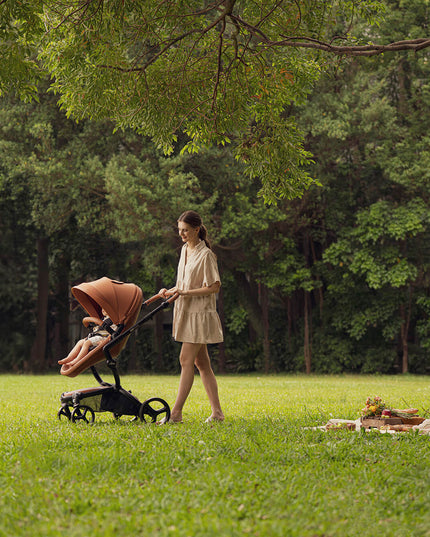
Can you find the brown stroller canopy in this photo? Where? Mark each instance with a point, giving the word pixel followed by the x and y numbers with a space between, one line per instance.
pixel 122 303
pixel 118 299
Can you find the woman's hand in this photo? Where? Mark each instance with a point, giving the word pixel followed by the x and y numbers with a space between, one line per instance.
pixel 166 293
pixel 202 291
pixel 173 290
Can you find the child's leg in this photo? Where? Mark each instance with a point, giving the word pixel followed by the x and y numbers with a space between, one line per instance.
pixel 73 353
pixel 86 346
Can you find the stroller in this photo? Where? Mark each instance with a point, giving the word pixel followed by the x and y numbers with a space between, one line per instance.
pixel 122 302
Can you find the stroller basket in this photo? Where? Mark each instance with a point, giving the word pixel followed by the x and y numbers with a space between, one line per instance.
pixel 122 302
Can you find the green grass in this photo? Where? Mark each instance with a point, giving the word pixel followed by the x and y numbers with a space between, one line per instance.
pixel 260 473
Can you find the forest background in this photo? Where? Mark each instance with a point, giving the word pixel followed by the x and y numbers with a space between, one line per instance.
pixel 333 281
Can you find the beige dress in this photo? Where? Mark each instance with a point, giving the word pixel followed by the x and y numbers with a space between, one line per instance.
pixel 195 319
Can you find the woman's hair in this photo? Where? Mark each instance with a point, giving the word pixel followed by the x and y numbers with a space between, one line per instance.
pixel 194 220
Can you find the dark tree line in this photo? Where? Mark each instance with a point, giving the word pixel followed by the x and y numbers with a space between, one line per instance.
pixel 334 281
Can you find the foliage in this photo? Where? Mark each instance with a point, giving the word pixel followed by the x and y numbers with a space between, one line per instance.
pixel 364 125
pixel 224 72
pixel 52 187
pixel 21 26
pixel 342 273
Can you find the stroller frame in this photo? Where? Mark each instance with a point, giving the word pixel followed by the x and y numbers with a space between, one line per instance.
pixel 82 404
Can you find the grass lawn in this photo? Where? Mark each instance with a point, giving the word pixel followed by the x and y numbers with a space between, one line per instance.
pixel 260 473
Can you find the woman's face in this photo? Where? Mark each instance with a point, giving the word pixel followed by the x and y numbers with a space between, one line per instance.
pixel 188 233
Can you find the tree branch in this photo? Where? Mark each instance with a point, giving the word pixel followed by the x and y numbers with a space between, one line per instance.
pixel 353 50
pixel 341 50
pixel 228 8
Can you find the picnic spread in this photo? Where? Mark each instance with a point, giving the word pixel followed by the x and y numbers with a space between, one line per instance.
pixel 377 415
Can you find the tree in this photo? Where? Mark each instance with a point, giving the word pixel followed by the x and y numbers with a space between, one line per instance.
pixel 219 71
pixel 370 138
pixel 17 259
pixel 52 190
pixel 385 249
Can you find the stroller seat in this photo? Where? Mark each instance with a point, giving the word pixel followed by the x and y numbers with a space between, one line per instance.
pixel 121 301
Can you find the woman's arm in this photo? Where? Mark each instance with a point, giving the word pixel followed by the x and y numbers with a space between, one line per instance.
pixel 201 291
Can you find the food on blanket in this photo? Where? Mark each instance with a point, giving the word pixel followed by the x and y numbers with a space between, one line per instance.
pixel 401 428
pixel 404 412
pixel 349 426
pixel 377 408
pixel 412 420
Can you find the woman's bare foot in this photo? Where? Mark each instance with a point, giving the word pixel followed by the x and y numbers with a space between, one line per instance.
pixel 163 421
pixel 176 417
pixel 215 417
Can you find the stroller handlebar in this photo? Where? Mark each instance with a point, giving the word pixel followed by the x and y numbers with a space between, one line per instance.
pixel 158 296
pixel 115 340
pixel 152 299
pixel 172 298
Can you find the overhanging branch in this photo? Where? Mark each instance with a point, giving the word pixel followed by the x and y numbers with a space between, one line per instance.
pixel 414 45
pixel 353 50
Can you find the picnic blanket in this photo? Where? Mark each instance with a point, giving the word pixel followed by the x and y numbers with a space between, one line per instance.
pixel 356 425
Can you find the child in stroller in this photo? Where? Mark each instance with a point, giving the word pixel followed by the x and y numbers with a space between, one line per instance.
pixel 114 306
pixel 100 333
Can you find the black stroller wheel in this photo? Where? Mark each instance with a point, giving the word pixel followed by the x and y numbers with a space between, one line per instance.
pixel 64 411
pixel 153 409
pixel 83 413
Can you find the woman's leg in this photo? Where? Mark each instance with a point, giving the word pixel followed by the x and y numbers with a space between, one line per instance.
pixel 203 364
pixel 187 358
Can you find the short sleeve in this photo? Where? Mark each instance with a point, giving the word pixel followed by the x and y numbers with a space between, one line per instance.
pixel 210 270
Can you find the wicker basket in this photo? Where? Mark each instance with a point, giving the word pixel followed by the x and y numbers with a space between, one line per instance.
pixel 377 422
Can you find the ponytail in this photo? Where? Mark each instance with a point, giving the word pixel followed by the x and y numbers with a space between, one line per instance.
pixel 203 235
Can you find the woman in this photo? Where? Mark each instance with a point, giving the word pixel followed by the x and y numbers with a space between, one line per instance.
pixel 195 320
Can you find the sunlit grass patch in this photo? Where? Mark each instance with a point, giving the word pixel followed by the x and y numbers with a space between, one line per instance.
pixel 262 472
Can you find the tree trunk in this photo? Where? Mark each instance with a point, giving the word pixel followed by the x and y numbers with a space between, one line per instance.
pixel 62 312
pixel 248 295
pixel 320 293
pixel 38 350
pixel 264 300
pixel 289 324
pixel 306 345
pixel 404 333
pixel 307 310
